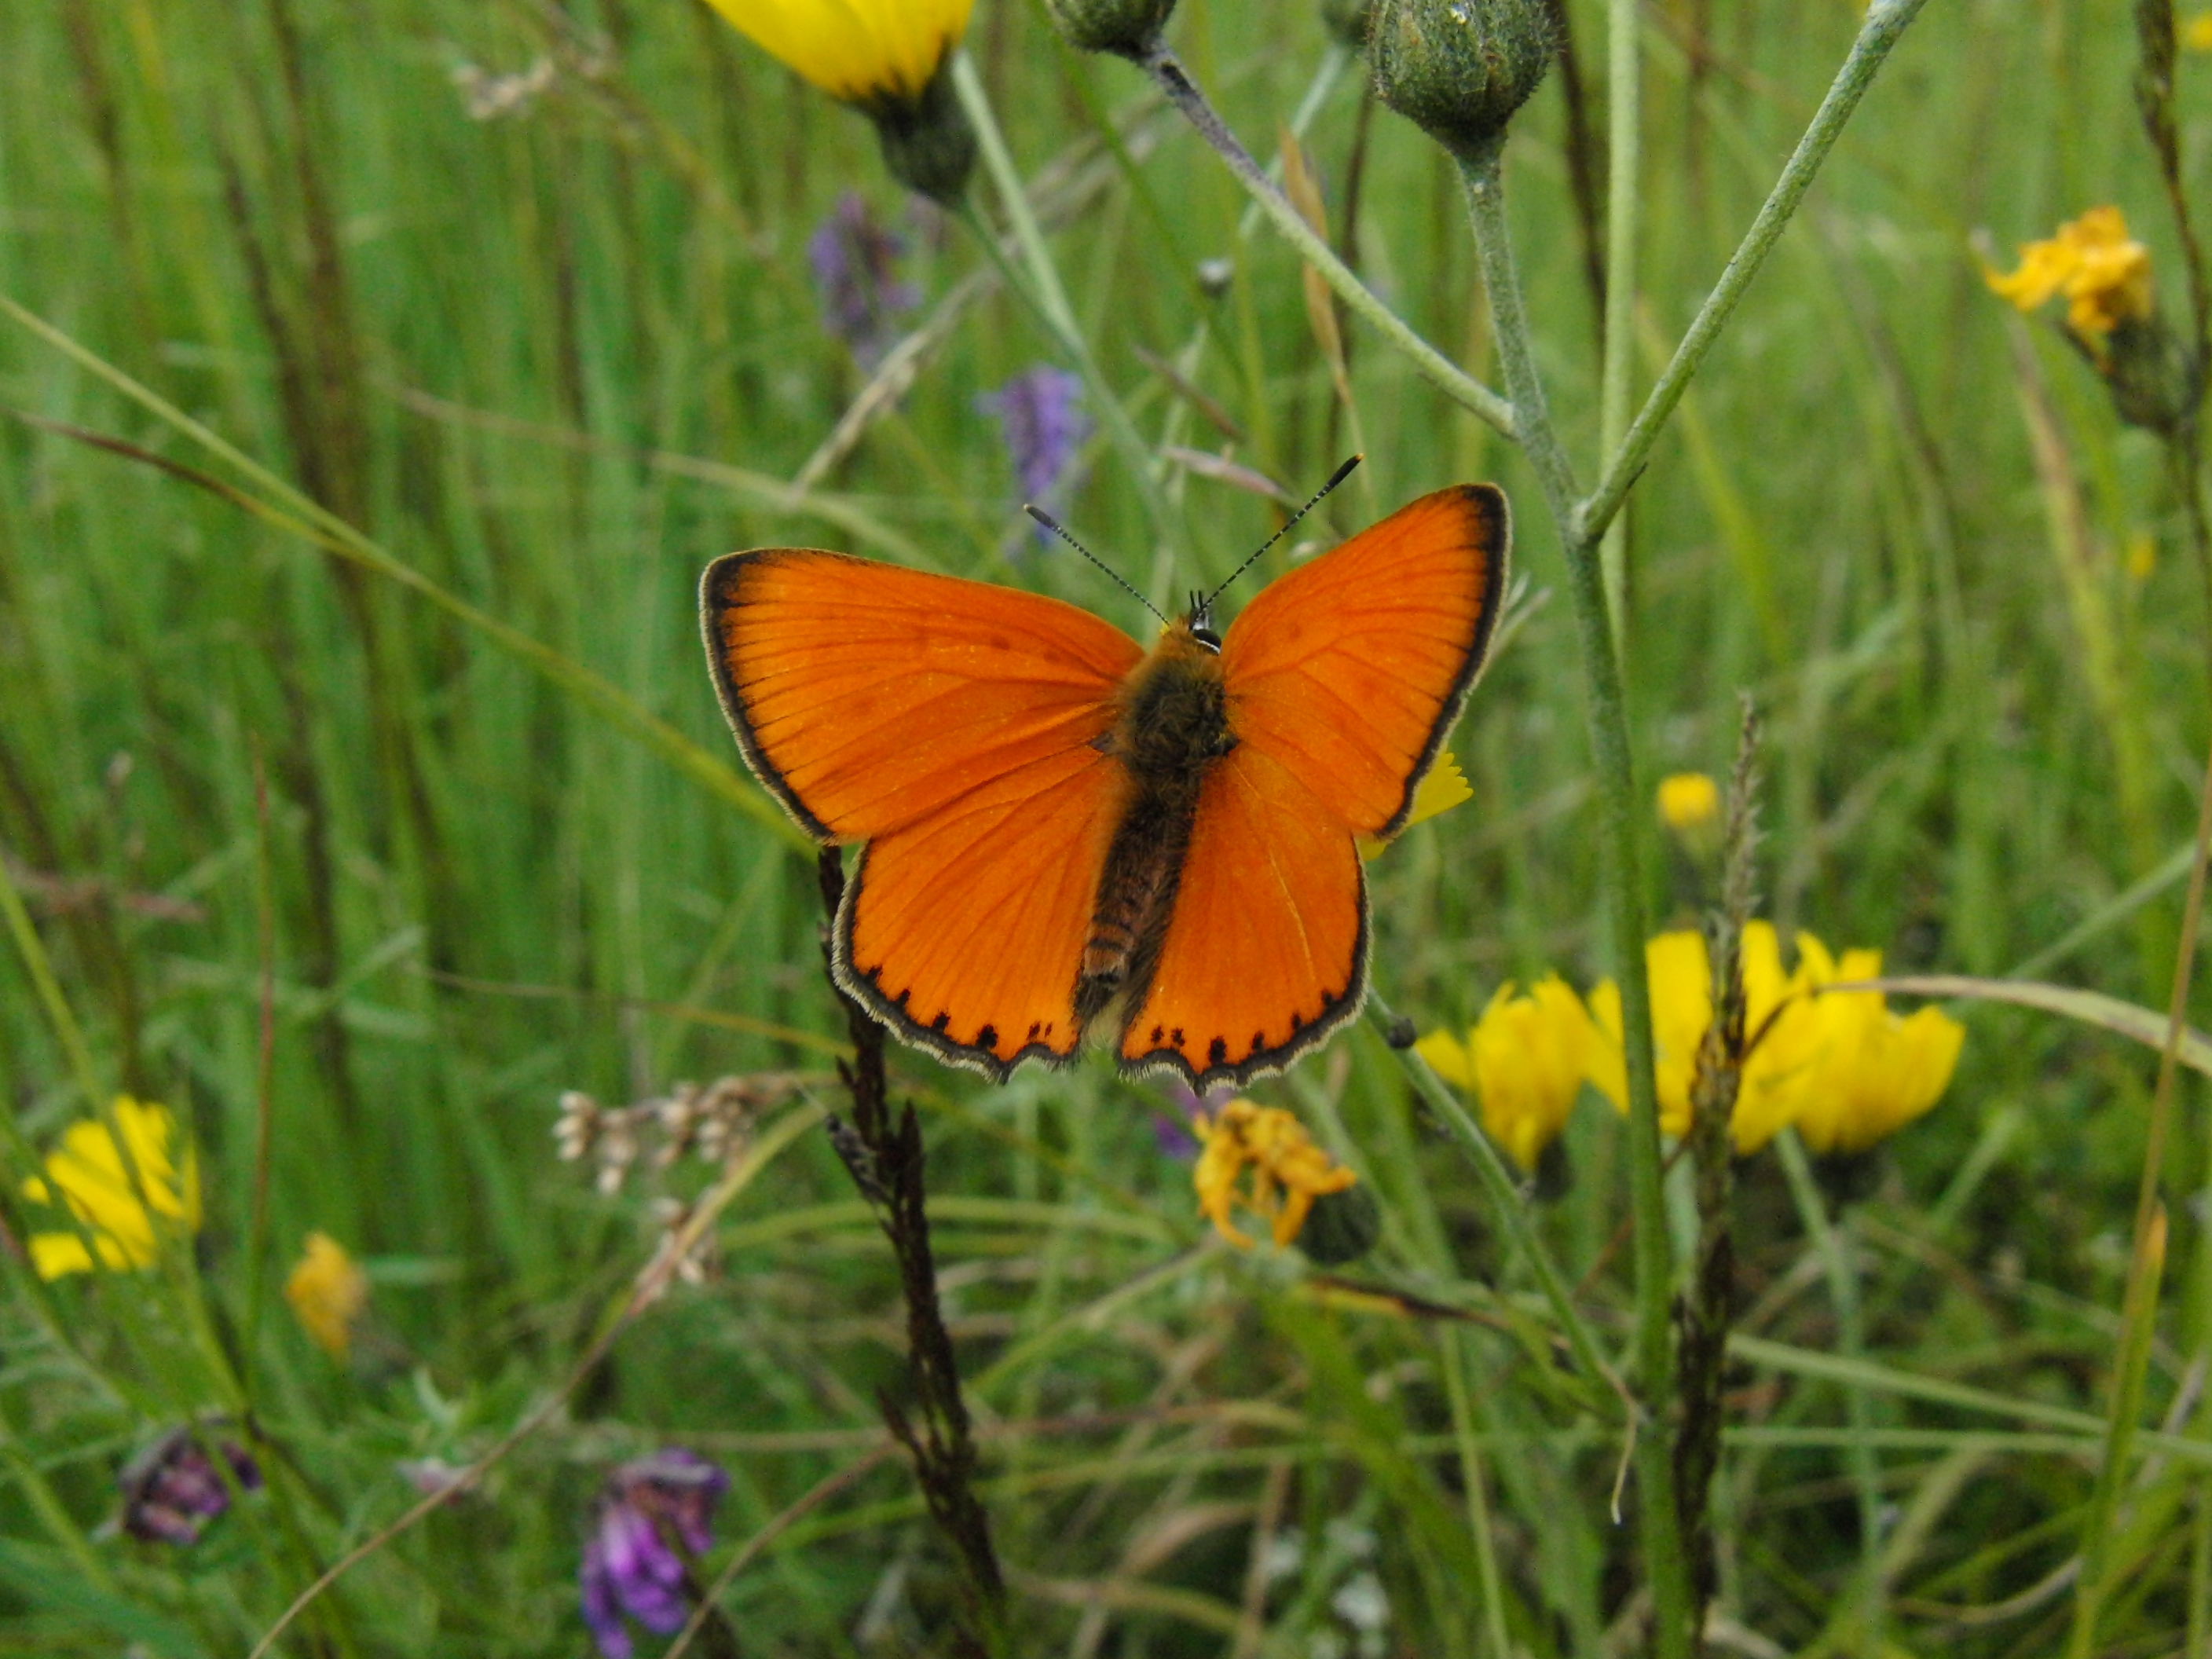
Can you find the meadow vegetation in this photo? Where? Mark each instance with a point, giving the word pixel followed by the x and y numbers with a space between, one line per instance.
pixel 377 380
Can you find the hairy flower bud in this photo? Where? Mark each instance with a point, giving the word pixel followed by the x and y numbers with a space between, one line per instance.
pixel 1130 27
pixel 927 143
pixel 1458 69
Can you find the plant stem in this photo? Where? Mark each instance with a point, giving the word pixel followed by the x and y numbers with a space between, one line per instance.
pixel 1045 291
pixel 1504 1192
pixel 1624 195
pixel 1431 364
pixel 885 1157
pixel 2146 1264
pixel 1886 21
pixel 1850 1340
pixel 1652 1361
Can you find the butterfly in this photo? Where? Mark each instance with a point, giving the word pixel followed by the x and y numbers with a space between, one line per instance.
pixel 1063 833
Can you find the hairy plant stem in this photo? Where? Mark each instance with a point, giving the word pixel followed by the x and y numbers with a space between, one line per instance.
pixel 1651 1365
pixel 886 1158
pixel 1886 21
pixel 1431 364
pixel 1624 195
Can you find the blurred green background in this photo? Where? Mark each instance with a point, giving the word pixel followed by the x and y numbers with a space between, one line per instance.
pixel 555 355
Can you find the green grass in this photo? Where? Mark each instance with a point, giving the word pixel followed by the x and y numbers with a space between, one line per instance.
pixel 488 345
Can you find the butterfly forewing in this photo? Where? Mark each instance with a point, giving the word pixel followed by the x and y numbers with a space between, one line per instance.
pixel 868 696
pixel 1351 669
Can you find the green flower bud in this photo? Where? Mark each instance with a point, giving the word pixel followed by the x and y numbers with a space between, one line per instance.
pixel 927 143
pixel 1131 27
pixel 1458 69
pixel 1347 20
pixel 1340 1227
pixel 2155 380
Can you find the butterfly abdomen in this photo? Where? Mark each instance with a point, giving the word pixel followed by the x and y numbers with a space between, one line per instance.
pixel 1173 725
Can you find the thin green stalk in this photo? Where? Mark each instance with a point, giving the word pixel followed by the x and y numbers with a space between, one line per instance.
pixel 2146 1264
pixel 1886 21
pixel 1653 1360
pixel 1431 364
pixel 67 1032
pixel 1049 295
pixel 1458 1352
pixel 1504 1192
pixel 301 516
pixel 1850 1342
pixel 1624 197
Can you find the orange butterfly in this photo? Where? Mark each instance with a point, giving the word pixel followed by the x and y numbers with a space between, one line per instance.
pixel 1063 830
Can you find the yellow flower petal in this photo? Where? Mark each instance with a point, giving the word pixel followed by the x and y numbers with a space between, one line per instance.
pixel 1441 788
pixel 2197 34
pixel 1529 1057
pixel 116 1203
pixel 327 1293
pixel 1448 1057
pixel 1287 1170
pixel 1689 801
pixel 864 52
pixel 2104 273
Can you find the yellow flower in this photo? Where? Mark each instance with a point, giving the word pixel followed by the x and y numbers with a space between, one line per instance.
pixel 327 1293
pixel 1443 787
pixel 870 53
pixel 1288 1170
pixel 1526 1061
pixel 1689 801
pixel 1842 1067
pixel 2196 35
pixel 2103 272
pixel 118 1211
pixel 1878 1070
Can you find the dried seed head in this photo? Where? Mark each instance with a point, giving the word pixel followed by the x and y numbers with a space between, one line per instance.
pixel 1458 69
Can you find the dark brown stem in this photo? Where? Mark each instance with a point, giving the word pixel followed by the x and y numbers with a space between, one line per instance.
pixel 885 1159
pixel 1703 1310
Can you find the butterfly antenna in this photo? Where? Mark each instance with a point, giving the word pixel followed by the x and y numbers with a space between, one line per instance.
pixel 1335 479
pixel 1053 526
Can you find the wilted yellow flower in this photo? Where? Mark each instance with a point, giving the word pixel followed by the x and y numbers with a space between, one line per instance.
pixel 1443 787
pixel 868 52
pixel 327 1291
pixel 1689 801
pixel 1877 1070
pixel 2103 272
pixel 1526 1061
pixel 118 1211
pixel 1288 1170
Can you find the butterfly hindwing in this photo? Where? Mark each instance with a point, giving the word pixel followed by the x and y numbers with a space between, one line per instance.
pixel 954 726
pixel 1266 951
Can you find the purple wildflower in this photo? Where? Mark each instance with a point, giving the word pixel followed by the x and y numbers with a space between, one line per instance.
pixel 631 1566
pixel 854 260
pixel 1172 1139
pixel 172 1489
pixel 1040 413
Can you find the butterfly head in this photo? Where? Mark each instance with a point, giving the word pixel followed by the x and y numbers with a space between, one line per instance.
pixel 1200 620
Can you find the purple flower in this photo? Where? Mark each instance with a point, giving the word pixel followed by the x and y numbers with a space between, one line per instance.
pixel 631 1565
pixel 1040 413
pixel 171 1489
pixel 1172 1139
pixel 854 260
